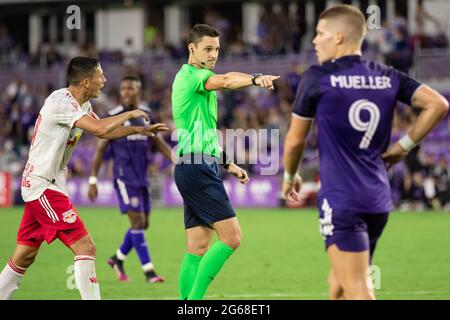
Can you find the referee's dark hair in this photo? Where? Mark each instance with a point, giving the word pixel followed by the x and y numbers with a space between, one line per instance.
pixel 201 30
pixel 80 68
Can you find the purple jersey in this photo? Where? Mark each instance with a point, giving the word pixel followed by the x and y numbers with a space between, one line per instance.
pixel 353 101
pixel 130 153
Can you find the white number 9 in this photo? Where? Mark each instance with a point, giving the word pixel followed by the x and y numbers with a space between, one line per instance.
pixel 369 127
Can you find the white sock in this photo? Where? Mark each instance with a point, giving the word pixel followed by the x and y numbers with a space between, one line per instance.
pixel 85 277
pixel 120 255
pixel 148 267
pixel 10 279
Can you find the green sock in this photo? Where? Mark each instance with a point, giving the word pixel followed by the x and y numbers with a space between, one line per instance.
pixel 209 267
pixel 187 274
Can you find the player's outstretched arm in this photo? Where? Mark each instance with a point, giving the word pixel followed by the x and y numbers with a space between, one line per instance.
pixel 434 108
pixel 294 146
pixel 238 80
pixel 102 127
pixel 149 130
pixel 100 149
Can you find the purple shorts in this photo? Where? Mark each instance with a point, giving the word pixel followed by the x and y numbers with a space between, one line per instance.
pixel 351 231
pixel 132 198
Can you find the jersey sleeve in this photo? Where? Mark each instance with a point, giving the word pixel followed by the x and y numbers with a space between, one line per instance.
pixel 66 113
pixel 199 79
pixel 407 88
pixel 305 102
pixel 92 113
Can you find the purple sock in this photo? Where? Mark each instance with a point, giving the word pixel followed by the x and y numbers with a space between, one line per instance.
pixel 127 243
pixel 140 245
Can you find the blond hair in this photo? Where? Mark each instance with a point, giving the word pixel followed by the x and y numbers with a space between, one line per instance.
pixel 351 17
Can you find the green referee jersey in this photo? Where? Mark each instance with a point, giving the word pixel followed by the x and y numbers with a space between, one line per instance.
pixel 195 112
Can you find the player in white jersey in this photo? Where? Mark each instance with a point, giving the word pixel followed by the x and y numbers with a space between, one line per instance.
pixel 48 212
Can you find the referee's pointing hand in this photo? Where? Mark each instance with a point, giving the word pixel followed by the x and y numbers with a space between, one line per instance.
pixel 266 81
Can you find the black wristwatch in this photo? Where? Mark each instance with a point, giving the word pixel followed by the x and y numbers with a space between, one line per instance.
pixel 225 159
pixel 254 76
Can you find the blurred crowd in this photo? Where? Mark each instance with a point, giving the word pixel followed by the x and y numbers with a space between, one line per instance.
pixel 278 33
pixel 396 44
pixel 421 182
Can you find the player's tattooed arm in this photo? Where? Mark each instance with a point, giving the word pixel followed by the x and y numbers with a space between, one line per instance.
pixel 238 80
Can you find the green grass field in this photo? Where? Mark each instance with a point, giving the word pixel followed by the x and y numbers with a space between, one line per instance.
pixel 281 257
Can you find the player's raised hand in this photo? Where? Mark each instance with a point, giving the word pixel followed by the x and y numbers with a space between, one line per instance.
pixel 239 173
pixel 153 129
pixel 394 154
pixel 266 81
pixel 92 192
pixel 291 189
pixel 139 113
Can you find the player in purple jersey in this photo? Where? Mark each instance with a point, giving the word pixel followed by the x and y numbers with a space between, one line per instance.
pixel 352 101
pixel 130 181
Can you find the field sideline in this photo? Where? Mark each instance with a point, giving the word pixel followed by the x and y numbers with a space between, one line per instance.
pixel 281 257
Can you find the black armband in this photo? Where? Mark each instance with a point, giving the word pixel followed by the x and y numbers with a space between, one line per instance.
pixel 225 159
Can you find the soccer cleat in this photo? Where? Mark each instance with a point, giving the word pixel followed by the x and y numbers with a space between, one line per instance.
pixel 117 265
pixel 151 276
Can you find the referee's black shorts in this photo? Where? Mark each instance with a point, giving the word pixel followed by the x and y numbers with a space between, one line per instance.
pixel 204 196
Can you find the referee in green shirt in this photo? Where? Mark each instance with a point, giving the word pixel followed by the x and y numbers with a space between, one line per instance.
pixel 206 204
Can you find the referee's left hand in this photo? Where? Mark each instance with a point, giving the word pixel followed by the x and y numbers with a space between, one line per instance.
pixel 239 173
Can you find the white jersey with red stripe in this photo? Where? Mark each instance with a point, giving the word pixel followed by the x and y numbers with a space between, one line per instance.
pixel 53 143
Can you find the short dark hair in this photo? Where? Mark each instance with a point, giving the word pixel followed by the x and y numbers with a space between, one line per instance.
pixel 130 78
pixel 80 68
pixel 201 30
